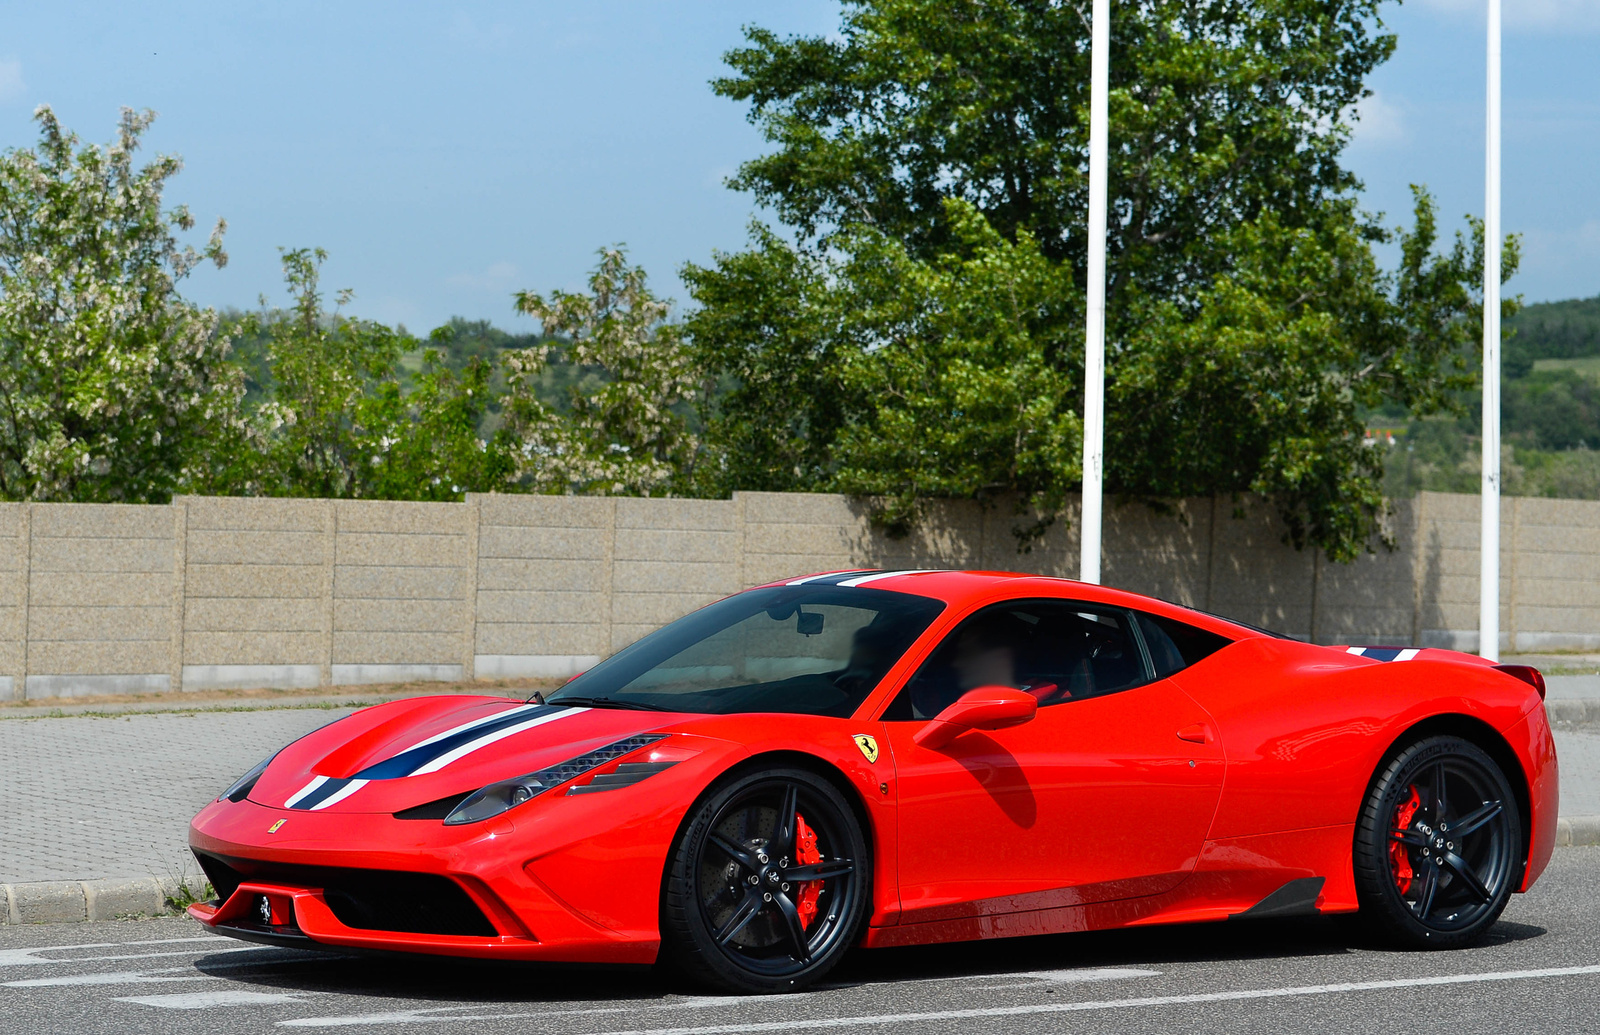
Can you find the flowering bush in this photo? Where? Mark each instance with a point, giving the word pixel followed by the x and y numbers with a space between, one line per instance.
pixel 108 378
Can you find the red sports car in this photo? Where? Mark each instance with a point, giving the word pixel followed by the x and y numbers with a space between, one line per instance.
pixel 892 758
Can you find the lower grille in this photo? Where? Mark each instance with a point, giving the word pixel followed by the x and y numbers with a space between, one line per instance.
pixel 369 900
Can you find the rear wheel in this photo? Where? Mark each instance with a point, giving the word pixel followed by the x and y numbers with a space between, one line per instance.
pixel 1437 845
pixel 768 885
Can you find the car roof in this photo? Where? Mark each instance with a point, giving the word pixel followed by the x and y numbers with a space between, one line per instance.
pixel 960 587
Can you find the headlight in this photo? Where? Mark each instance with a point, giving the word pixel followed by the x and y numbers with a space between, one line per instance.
pixel 243 784
pixel 501 797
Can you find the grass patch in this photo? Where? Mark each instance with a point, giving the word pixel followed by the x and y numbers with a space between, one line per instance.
pixel 181 899
pixel 1589 366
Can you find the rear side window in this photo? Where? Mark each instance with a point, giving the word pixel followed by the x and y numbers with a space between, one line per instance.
pixel 1174 645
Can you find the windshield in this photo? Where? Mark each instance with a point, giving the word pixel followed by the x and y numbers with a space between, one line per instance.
pixel 808 650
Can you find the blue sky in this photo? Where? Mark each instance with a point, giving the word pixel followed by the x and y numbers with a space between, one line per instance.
pixel 446 156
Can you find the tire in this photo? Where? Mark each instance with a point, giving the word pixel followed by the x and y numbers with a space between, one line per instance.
pixel 733 916
pixel 1437 845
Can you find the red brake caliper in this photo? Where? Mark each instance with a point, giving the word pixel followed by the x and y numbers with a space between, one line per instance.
pixel 806 854
pixel 1397 851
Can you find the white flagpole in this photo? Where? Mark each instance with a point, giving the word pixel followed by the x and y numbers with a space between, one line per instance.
pixel 1094 352
pixel 1489 558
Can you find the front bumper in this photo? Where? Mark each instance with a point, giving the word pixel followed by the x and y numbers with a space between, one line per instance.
pixel 559 883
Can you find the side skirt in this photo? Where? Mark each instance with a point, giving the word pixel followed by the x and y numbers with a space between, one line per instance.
pixel 1295 898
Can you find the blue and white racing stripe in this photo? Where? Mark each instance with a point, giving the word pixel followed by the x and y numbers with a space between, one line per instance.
pixel 858 577
pixel 1384 653
pixel 321 792
pixel 431 755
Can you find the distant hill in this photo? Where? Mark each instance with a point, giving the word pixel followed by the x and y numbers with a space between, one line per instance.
pixel 466 340
pixel 1552 330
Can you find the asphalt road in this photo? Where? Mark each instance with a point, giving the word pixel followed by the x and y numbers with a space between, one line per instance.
pixel 1538 972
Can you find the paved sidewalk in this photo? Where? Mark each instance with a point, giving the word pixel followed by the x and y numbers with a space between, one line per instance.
pixel 83 798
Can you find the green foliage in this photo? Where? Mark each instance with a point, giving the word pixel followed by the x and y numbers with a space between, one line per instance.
pixel 560 379
pixel 336 419
pixel 1550 415
pixel 1552 330
pixel 772 324
pixel 1552 410
pixel 1218 112
pixel 108 379
pixel 968 390
pixel 923 336
pixel 630 435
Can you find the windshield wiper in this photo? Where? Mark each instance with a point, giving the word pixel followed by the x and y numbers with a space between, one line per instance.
pixel 607 702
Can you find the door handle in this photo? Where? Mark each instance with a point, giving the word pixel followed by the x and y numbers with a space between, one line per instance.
pixel 1196 733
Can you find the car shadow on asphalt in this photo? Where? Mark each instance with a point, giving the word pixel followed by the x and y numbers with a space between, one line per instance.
pixel 446 980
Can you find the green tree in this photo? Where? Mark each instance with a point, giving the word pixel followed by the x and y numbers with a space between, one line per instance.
pixel 971 373
pixel 339 418
pixel 628 435
pixel 772 322
pixel 1248 321
pixel 109 379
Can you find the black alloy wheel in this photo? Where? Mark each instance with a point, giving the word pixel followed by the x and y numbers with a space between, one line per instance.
pixel 1439 845
pixel 768 885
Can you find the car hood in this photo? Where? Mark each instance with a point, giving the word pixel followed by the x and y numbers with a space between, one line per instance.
pixel 407 753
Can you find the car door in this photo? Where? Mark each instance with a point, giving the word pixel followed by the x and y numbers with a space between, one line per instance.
pixel 1108 792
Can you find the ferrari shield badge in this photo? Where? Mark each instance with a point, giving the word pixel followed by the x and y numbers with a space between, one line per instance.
pixel 868 746
pixel 274 828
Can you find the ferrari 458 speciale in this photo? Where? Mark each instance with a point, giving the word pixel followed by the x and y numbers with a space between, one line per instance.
pixel 879 758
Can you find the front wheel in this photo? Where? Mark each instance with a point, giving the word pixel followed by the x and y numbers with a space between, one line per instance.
pixel 768 885
pixel 1437 845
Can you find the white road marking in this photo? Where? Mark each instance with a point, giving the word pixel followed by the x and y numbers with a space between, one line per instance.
pixel 1033 978
pixel 433 1015
pixel 211 1000
pixel 795 1024
pixel 125 977
pixel 26 957
pixel 1116 1004
pixel 698 1002
pixel 1072 977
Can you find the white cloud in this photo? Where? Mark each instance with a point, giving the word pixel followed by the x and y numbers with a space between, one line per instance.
pixel 1531 15
pixel 11 84
pixel 500 276
pixel 1379 122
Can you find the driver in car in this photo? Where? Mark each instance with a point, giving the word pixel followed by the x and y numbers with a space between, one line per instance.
pixel 984 653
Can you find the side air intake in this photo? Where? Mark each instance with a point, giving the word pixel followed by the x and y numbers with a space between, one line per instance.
pixel 625 775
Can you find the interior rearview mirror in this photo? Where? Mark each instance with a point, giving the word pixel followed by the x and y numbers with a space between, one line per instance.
pixel 809 623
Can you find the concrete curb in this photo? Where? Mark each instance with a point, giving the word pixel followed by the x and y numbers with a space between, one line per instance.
pixel 1583 710
pixel 56 902
pixel 66 901
pixel 1578 830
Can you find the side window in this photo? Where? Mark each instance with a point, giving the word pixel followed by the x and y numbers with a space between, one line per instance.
pixel 1057 651
pixel 1174 645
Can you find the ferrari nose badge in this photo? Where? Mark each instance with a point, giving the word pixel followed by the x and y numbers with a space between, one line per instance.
pixel 868 746
pixel 274 828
